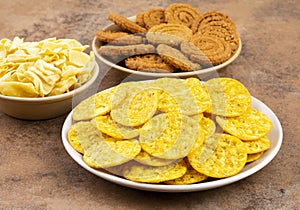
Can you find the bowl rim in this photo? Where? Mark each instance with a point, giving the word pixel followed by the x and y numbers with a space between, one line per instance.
pixel 60 97
pixel 153 74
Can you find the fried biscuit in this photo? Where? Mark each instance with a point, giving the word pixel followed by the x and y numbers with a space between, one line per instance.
pixel 175 58
pixel 149 63
pixel 126 24
pixel 122 52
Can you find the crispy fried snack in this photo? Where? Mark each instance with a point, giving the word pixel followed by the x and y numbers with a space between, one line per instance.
pixel 151 17
pixel 215 49
pixel 149 63
pixel 121 52
pixel 126 24
pixel 191 176
pixel 251 125
pixel 170 34
pixel 181 14
pixel 142 173
pixel 195 54
pixel 175 58
pixel 221 155
pixel 109 36
pixel 229 97
pixel 119 38
pixel 216 23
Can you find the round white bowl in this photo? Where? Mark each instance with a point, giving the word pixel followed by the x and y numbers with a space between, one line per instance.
pixel 47 107
pixel 199 73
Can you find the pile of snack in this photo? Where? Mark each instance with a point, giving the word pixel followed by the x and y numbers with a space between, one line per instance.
pixel 177 38
pixel 45 68
pixel 170 130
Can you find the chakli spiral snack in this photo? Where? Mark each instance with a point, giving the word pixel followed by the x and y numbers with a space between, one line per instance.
pixel 151 17
pixel 216 49
pixel 216 23
pixel 181 14
pixel 170 34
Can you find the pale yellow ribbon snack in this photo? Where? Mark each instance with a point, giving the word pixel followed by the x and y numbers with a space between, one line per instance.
pixel 46 68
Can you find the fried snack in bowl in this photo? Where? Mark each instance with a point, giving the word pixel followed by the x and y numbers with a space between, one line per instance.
pixel 190 43
pixel 155 137
pixel 42 80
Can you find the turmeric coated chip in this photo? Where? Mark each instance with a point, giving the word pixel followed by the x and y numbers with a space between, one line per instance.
pixel 252 125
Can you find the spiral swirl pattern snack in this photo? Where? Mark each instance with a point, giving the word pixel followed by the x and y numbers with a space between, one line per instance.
pixel 215 23
pixel 181 14
pixel 151 17
pixel 216 49
pixel 170 34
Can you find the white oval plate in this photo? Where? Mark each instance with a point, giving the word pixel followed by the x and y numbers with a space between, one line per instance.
pixel 275 136
pixel 202 73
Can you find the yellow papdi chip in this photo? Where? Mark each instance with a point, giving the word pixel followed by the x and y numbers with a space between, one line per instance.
pixel 136 109
pixel 191 176
pixel 228 96
pixel 111 152
pixel 252 125
pixel 102 151
pixel 179 93
pixel 98 104
pixel 149 174
pixel 73 139
pixel 254 156
pixel 146 159
pixel 167 103
pixel 258 145
pixel 224 156
pixel 177 140
pixel 199 92
pixel 39 69
pixel 108 126
pixel 169 135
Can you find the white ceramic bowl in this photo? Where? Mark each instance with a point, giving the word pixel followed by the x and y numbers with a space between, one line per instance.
pixel 47 107
pixel 275 136
pixel 148 75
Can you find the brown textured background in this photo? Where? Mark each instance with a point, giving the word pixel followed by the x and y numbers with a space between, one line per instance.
pixel 37 173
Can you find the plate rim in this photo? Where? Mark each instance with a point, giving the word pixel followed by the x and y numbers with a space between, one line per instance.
pixel 77 157
pixel 177 74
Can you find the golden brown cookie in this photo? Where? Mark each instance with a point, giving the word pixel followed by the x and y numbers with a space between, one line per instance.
pixel 126 24
pixel 121 52
pixel 216 23
pixel 109 36
pixel 175 58
pixel 181 14
pixel 152 17
pixel 149 63
pixel 119 38
pixel 170 34
pixel 216 49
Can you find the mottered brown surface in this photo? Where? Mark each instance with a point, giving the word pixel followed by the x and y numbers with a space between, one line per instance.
pixel 37 172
